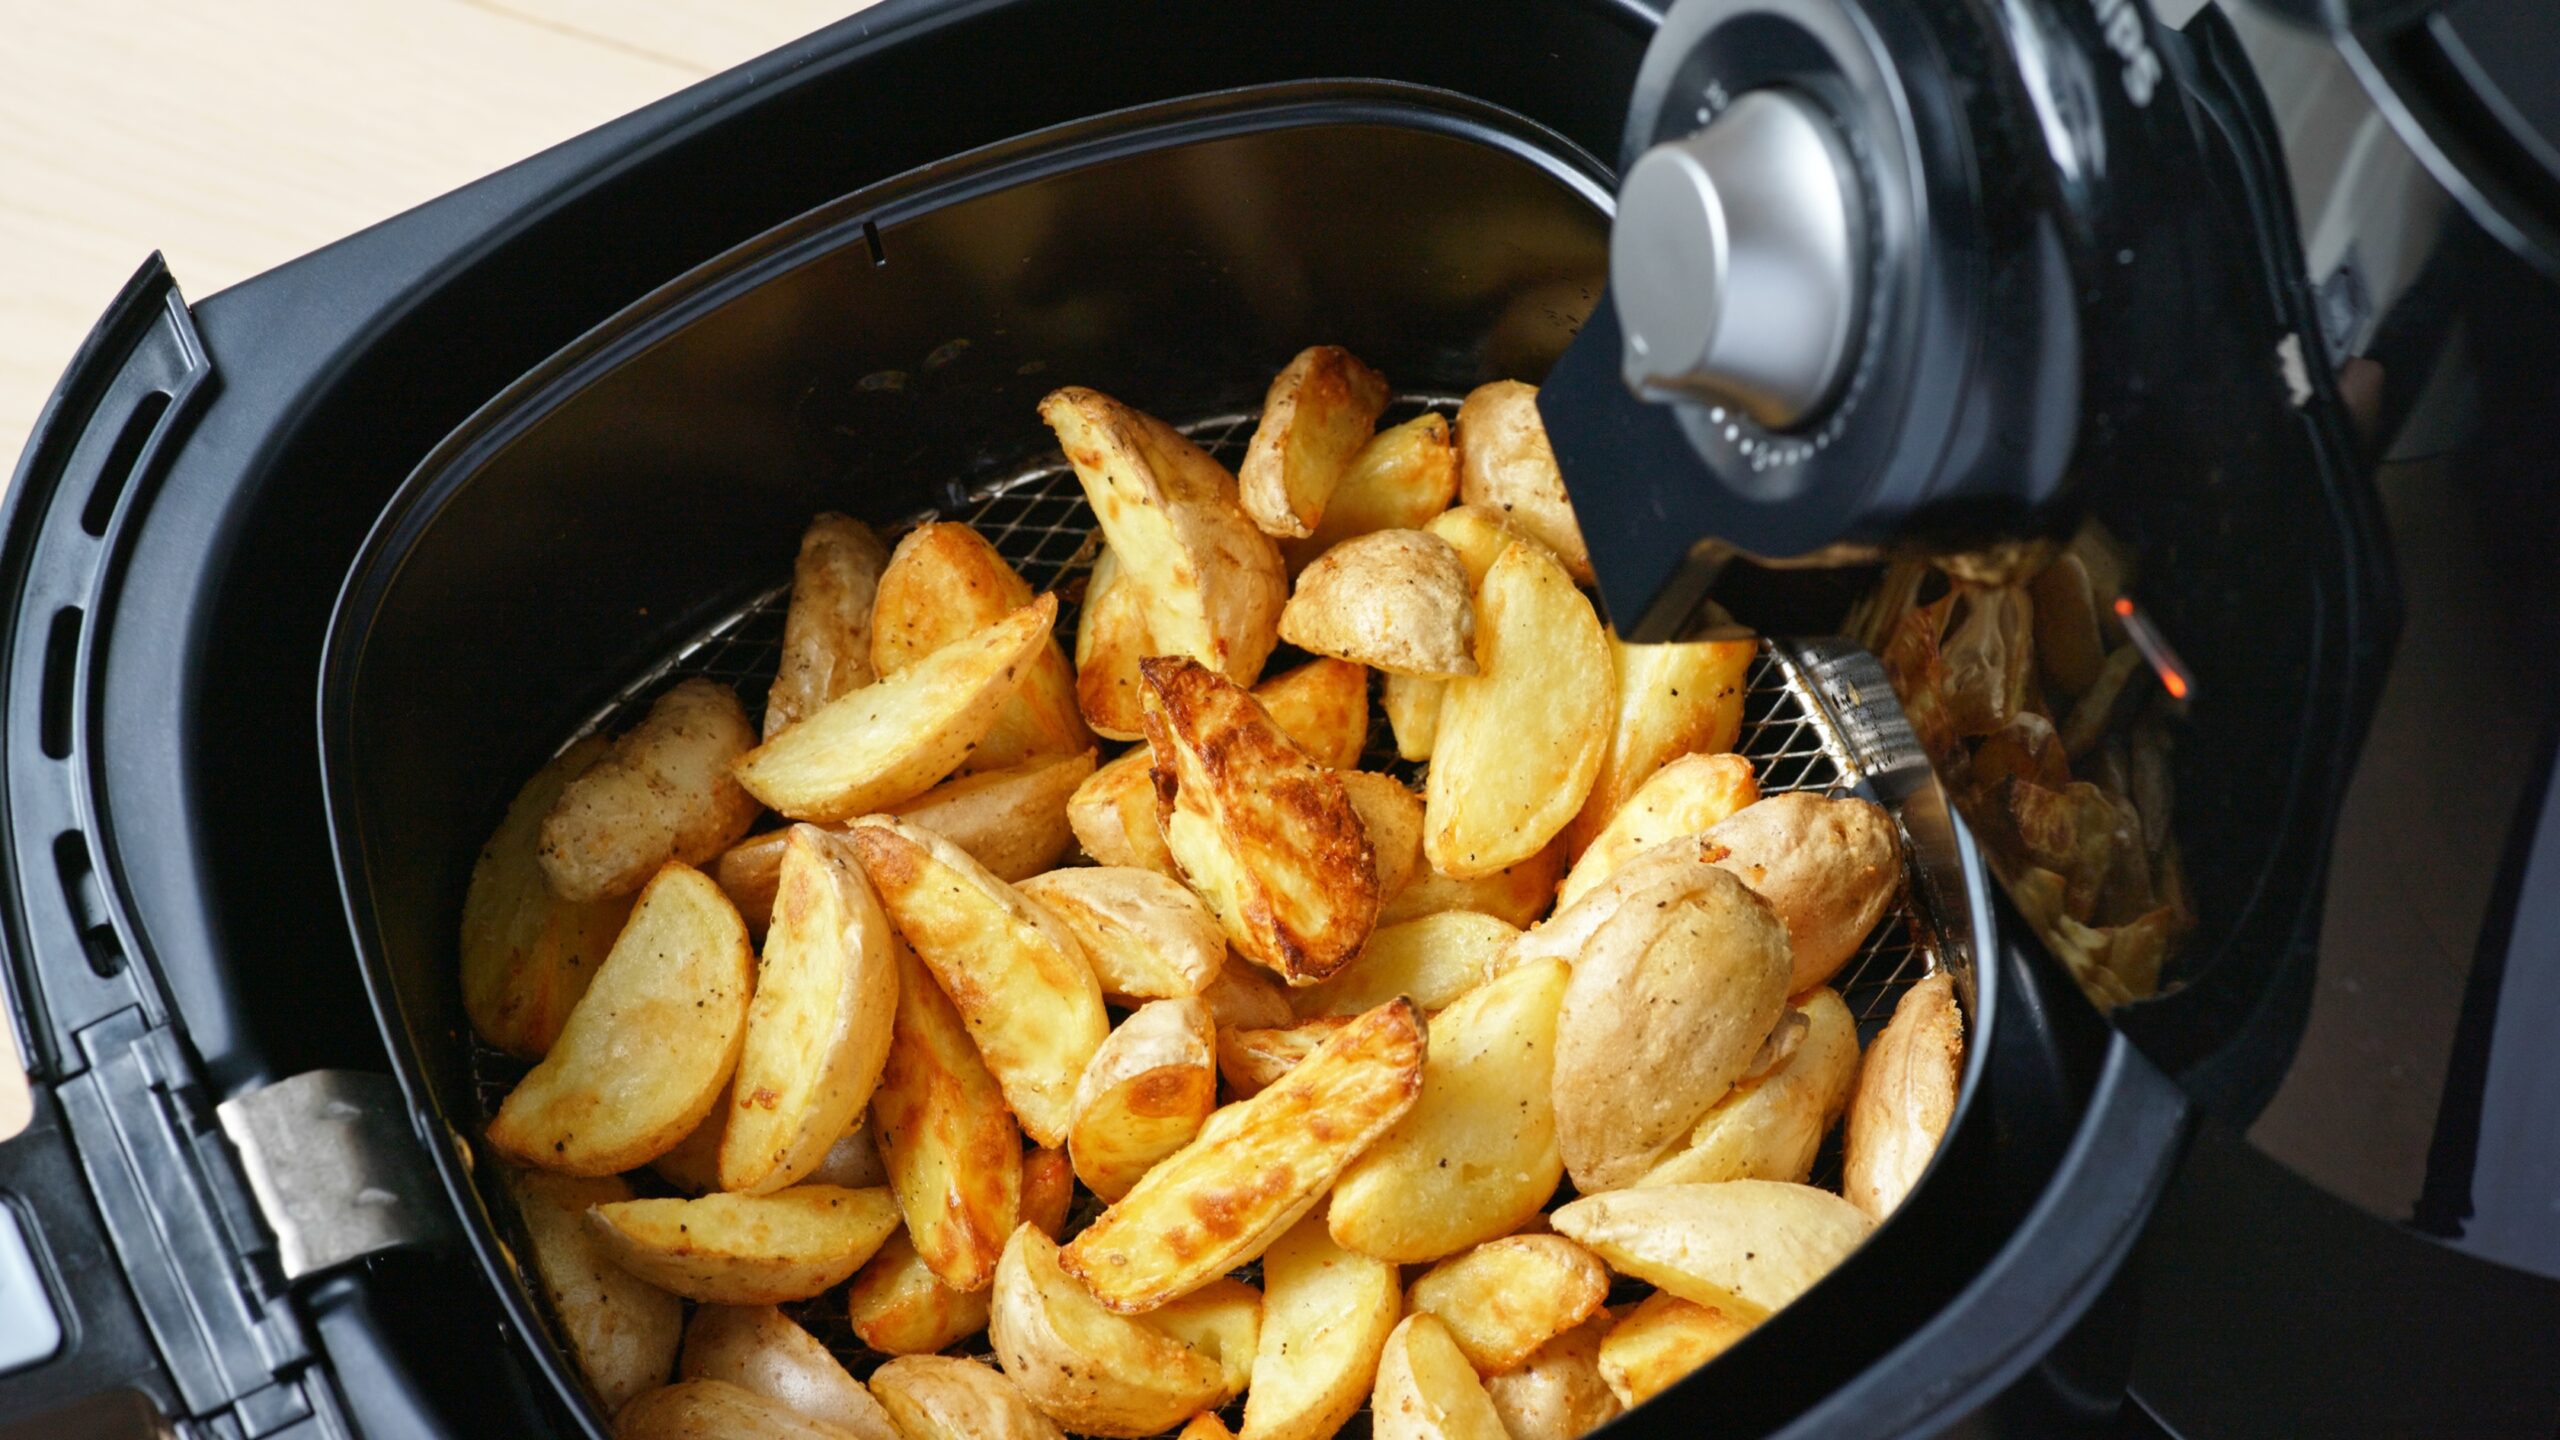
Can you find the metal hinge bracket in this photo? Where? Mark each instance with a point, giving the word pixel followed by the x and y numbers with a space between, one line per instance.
pixel 336 1169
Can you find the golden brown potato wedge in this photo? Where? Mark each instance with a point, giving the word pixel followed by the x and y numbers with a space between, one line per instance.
pixel 1745 1247
pixel 1048 1189
pixel 1559 1392
pixel 664 793
pixel 695 1409
pixel 826 635
pixel 1505 465
pixel 1092 1371
pixel 1146 936
pixel 1255 1168
pixel 1144 1095
pixel 1326 1314
pixel 1015 971
pixel 891 741
pixel 1433 958
pixel 1519 745
pixel 1323 707
pixel 747 1249
pixel 1661 1341
pixel 953 1154
pixel 940 1397
pixel 758 1348
pixel 1477 1155
pixel 1396 600
pixel 1506 1298
pixel 1479 535
pixel 674 988
pixel 1245 997
pixel 1516 894
pixel 1905 1097
pixel 1392 814
pixel 897 1307
pixel 818 1028
pixel 1681 698
pixel 1426 1389
pixel 1685 797
pixel 1252 1061
pixel 1770 1128
pixel 621 1330
pixel 1402 477
pixel 1412 704
pixel 1205 1426
pixel 1222 1320
pixel 1669 1004
pixel 1113 813
pixel 1829 866
pixel 944 584
pixel 1213 584
pixel 1316 417
pixel 527 954
pixel 693 1167
pixel 1265 835
pixel 1111 638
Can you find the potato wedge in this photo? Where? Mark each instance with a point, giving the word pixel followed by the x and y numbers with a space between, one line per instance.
pixel 621 1330
pixel 1323 707
pixel 1558 1393
pixel 758 1348
pixel 1661 1341
pixel 1326 1314
pixel 1252 1061
pixel 747 1249
pixel 1015 972
pixel 953 1154
pixel 818 1028
pixel 1829 866
pixel 675 987
pixel 1255 1168
pixel 1506 1298
pixel 897 1307
pixel 1396 600
pixel 1113 813
pixel 1204 1426
pixel 945 583
pixel 1685 797
pixel 1479 535
pixel 1213 584
pixel 1669 1004
pixel 1745 1247
pixel 1505 465
pixel 826 635
pixel 1392 815
pixel 1657 873
pixel 1245 997
pixel 1092 1371
pixel 1432 958
pixel 891 741
pixel 1426 1389
pixel 1145 935
pixel 1519 745
pixel 693 1409
pixel 1517 894
pixel 1905 1097
pixel 1675 699
pixel 1111 638
pixel 940 1397
pixel 854 1160
pixel 1412 703
pixel 1316 417
pixel 1222 1320
pixel 1262 833
pixel 1771 1128
pixel 1477 1154
pixel 1144 1094
pixel 1402 477
pixel 664 793
pixel 693 1167
pixel 527 954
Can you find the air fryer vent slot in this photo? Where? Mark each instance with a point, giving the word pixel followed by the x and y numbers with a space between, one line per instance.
pixel 61 665
pixel 121 459
pixel 88 904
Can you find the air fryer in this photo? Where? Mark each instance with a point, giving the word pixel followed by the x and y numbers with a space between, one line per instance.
pixel 556 434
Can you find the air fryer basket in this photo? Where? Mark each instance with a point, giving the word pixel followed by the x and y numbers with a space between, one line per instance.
pixel 621 518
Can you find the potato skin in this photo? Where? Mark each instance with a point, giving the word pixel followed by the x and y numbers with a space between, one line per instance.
pixel 527 954
pixel 747 1249
pixel 941 1397
pixel 757 1348
pixel 665 793
pixel 700 1409
pixel 1771 1128
pixel 1146 936
pixel 1905 1097
pixel 1394 600
pixel 1427 1391
pixel 826 634
pixel 1506 466
pixel 1558 1393
pixel 621 1330
pixel 1829 866
pixel 1083 1366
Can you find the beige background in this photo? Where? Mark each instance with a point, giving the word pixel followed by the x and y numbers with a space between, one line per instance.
pixel 233 135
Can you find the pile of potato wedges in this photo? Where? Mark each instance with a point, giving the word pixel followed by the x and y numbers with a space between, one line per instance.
pixel 1022 1059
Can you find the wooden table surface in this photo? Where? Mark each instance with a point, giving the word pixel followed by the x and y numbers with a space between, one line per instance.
pixel 233 135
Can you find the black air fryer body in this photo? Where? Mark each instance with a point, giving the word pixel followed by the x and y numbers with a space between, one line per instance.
pixel 634 364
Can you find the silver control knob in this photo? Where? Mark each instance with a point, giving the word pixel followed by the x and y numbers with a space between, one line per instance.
pixel 1736 261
